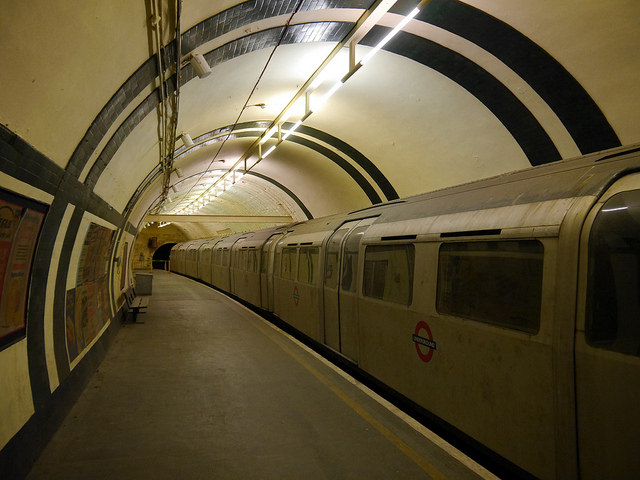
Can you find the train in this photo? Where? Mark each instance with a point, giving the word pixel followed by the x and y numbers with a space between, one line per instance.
pixel 507 307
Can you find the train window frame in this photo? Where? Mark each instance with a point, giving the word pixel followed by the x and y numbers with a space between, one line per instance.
pixel 332 267
pixel 613 263
pixel 264 255
pixel 460 307
pixel 311 258
pixel 349 261
pixel 378 269
pixel 252 261
pixel 289 253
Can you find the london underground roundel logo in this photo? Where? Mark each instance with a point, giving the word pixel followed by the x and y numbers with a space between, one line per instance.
pixel 296 295
pixel 423 340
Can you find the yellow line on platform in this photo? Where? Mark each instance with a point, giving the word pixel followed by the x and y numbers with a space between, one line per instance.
pixel 427 466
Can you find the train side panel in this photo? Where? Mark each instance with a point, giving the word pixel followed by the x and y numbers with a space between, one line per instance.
pixel 246 277
pixel 205 258
pixel 294 302
pixel 608 336
pixel 473 341
pixel 267 259
pixel 297 280
pixel 491 383
pixel 506 307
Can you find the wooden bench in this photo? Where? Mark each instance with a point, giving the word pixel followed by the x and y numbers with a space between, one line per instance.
pixel 135 304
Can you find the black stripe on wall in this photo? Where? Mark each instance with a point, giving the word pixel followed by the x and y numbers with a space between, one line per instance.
pixel 510 111
pixel 25 163
pixel 59 301
pixel 360 159
pixel 353 172
pixel 36 353
pixel 357 157
pixel 313 32
pixel 235 17
pixel 291 195
pixel 560 90
pixel 362 182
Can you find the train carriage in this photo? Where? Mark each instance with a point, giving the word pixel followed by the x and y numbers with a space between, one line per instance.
pixel 267 257
pixel 247 255
pixel 222 262
pixel 205 260
pixel 297 276
pixel 191 263
pixel 178 257
pixel 508 308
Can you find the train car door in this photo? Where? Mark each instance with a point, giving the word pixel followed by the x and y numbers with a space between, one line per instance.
pixel 212 266
pixel 233 265
pixel 330 288
pixel 607 348
pixel 340 292
pixel 266 272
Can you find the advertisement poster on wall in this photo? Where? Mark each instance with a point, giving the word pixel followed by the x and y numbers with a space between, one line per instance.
pixel 20 223
pixel 87 305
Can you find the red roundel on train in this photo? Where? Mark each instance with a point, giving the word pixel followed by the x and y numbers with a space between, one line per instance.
pixel 424 341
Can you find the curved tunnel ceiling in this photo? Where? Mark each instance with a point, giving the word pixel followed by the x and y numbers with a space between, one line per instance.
pixel 468 89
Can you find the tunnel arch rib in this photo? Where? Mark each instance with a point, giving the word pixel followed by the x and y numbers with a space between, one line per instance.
pixel 460 19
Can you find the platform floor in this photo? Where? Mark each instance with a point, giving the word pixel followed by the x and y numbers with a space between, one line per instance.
pixel 206 389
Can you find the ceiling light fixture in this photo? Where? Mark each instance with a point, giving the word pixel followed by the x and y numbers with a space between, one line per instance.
pixel 200 65
pixel 186 139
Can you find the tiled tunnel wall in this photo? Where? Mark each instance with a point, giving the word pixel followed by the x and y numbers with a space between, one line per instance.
pixel 48 384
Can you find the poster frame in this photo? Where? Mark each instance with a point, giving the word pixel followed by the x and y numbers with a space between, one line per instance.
pixel 25 203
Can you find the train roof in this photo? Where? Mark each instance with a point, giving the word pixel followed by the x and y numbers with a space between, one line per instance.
pixel 583 176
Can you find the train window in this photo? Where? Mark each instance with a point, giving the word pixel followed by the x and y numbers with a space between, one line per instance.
pixel 613 301
pixel 288 267
pixel 308 265
pixel 226 256
pixel 252 261
pixel 492 282
pixel 350 259
pixel 388 273
pixel 217 255
pixel 239 259
pixel 331 262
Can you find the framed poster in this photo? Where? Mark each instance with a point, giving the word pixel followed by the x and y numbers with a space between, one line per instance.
pixel 20 223
pixel 87 305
